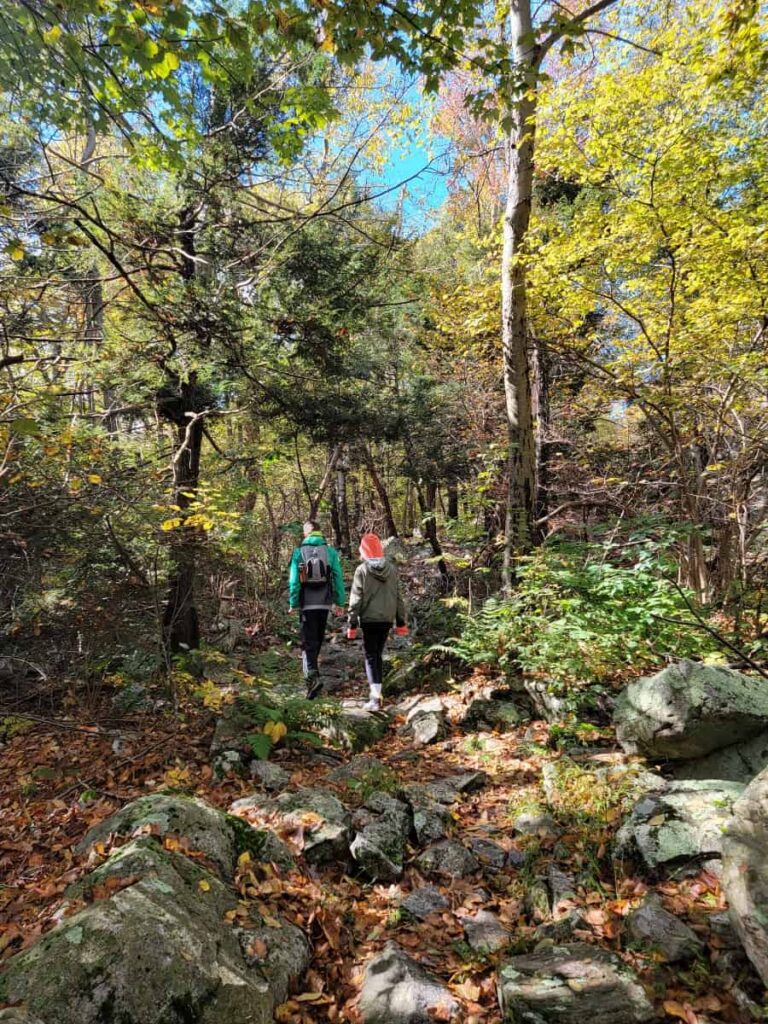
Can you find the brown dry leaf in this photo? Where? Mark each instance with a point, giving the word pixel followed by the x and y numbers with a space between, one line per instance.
pixel 683 1011
pixel 257 948
pixel 468 990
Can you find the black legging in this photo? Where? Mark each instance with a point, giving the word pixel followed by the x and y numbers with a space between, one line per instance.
pixel 374 638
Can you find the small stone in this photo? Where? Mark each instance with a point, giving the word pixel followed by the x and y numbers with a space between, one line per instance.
pixel 559 930
pixel 424 901
pixel 271 776
pixel 427 727
pixel 448 858
pixel 653 926
pixel 561 886
pixel 515 858
pixel 485 932
pixel 488 852
pixel 536 823
pixel 397 990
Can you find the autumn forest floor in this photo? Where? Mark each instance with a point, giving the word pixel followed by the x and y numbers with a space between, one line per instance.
pixel 67 771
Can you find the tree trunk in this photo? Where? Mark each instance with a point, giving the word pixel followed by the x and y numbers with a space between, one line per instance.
pixel 333 458
pixel 427 506
pixel 453 499
pixel 521 466
pixel 181 627
pixel 389 519
pixel 338 539
pixel 540 397
pixel 342 509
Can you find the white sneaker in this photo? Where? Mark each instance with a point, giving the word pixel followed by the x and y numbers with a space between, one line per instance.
pixel 373 705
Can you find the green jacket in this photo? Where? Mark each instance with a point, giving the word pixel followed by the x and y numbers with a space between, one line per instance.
pixel 339 594
pixel 376 594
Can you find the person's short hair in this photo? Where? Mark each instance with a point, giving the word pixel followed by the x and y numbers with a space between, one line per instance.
pixel 310 525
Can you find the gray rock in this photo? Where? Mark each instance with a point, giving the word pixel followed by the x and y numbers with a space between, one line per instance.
pixel 355 728
pixel 379 847
pixel 559 930
pixel 228 762
pixel 548 700
pixel 431 822
pixel 452 788
pixel 570 985
pixel 395 549
pixel 326 823
pixel 652 926
pixel 684 822
pixel 271 776
pixel 745 871
pixel 231 729
pixel 537 901
pixel 740 762
pixel 158 951
pixel 196 823
pixel 18 1015
pixel 423 705
pixel 501 715
pixel 689 710
pixel 357 767
pixel 448 857
pixel 488 853
pixel 485 933
pixel 561 886
pixel 425 900
pixel 397 990
pixel 536 823
pixel 320 817
pixel 427 727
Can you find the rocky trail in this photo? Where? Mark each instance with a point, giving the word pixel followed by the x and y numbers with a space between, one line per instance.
pixel 458 858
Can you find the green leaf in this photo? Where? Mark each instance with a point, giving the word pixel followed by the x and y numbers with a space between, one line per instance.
pixel 260 744
pixel 24 426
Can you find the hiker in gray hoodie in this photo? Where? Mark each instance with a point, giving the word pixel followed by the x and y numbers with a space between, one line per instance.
pixel 375 602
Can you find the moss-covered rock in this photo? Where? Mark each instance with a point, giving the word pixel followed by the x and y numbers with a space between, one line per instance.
pixel 689 710
pixel 683 822
pixel 745 871
pixel 356 729
pixel 157 951
pixel 570 985
pixel 199 826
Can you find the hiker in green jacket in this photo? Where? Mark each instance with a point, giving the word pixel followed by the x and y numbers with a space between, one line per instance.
pixel 376 601
pixel 315 585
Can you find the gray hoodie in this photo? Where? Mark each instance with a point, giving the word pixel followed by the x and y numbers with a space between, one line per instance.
pixel 376 594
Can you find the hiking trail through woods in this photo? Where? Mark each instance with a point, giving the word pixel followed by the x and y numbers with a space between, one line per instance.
pixel 446 861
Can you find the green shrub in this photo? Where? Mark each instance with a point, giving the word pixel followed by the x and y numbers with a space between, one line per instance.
pixel 577 617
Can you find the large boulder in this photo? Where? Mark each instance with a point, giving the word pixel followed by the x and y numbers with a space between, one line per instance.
pixel 689 710
pixel 570 985
pixel 740 762
pixel 745 871
pixel 397 990
pixel 165 943
pixel 195 824
pixel 682 823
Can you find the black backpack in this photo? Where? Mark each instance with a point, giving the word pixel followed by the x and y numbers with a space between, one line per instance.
pixel 314 570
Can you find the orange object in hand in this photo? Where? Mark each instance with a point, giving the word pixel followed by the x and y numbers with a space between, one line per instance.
pixel 401 630
pixel 351 634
